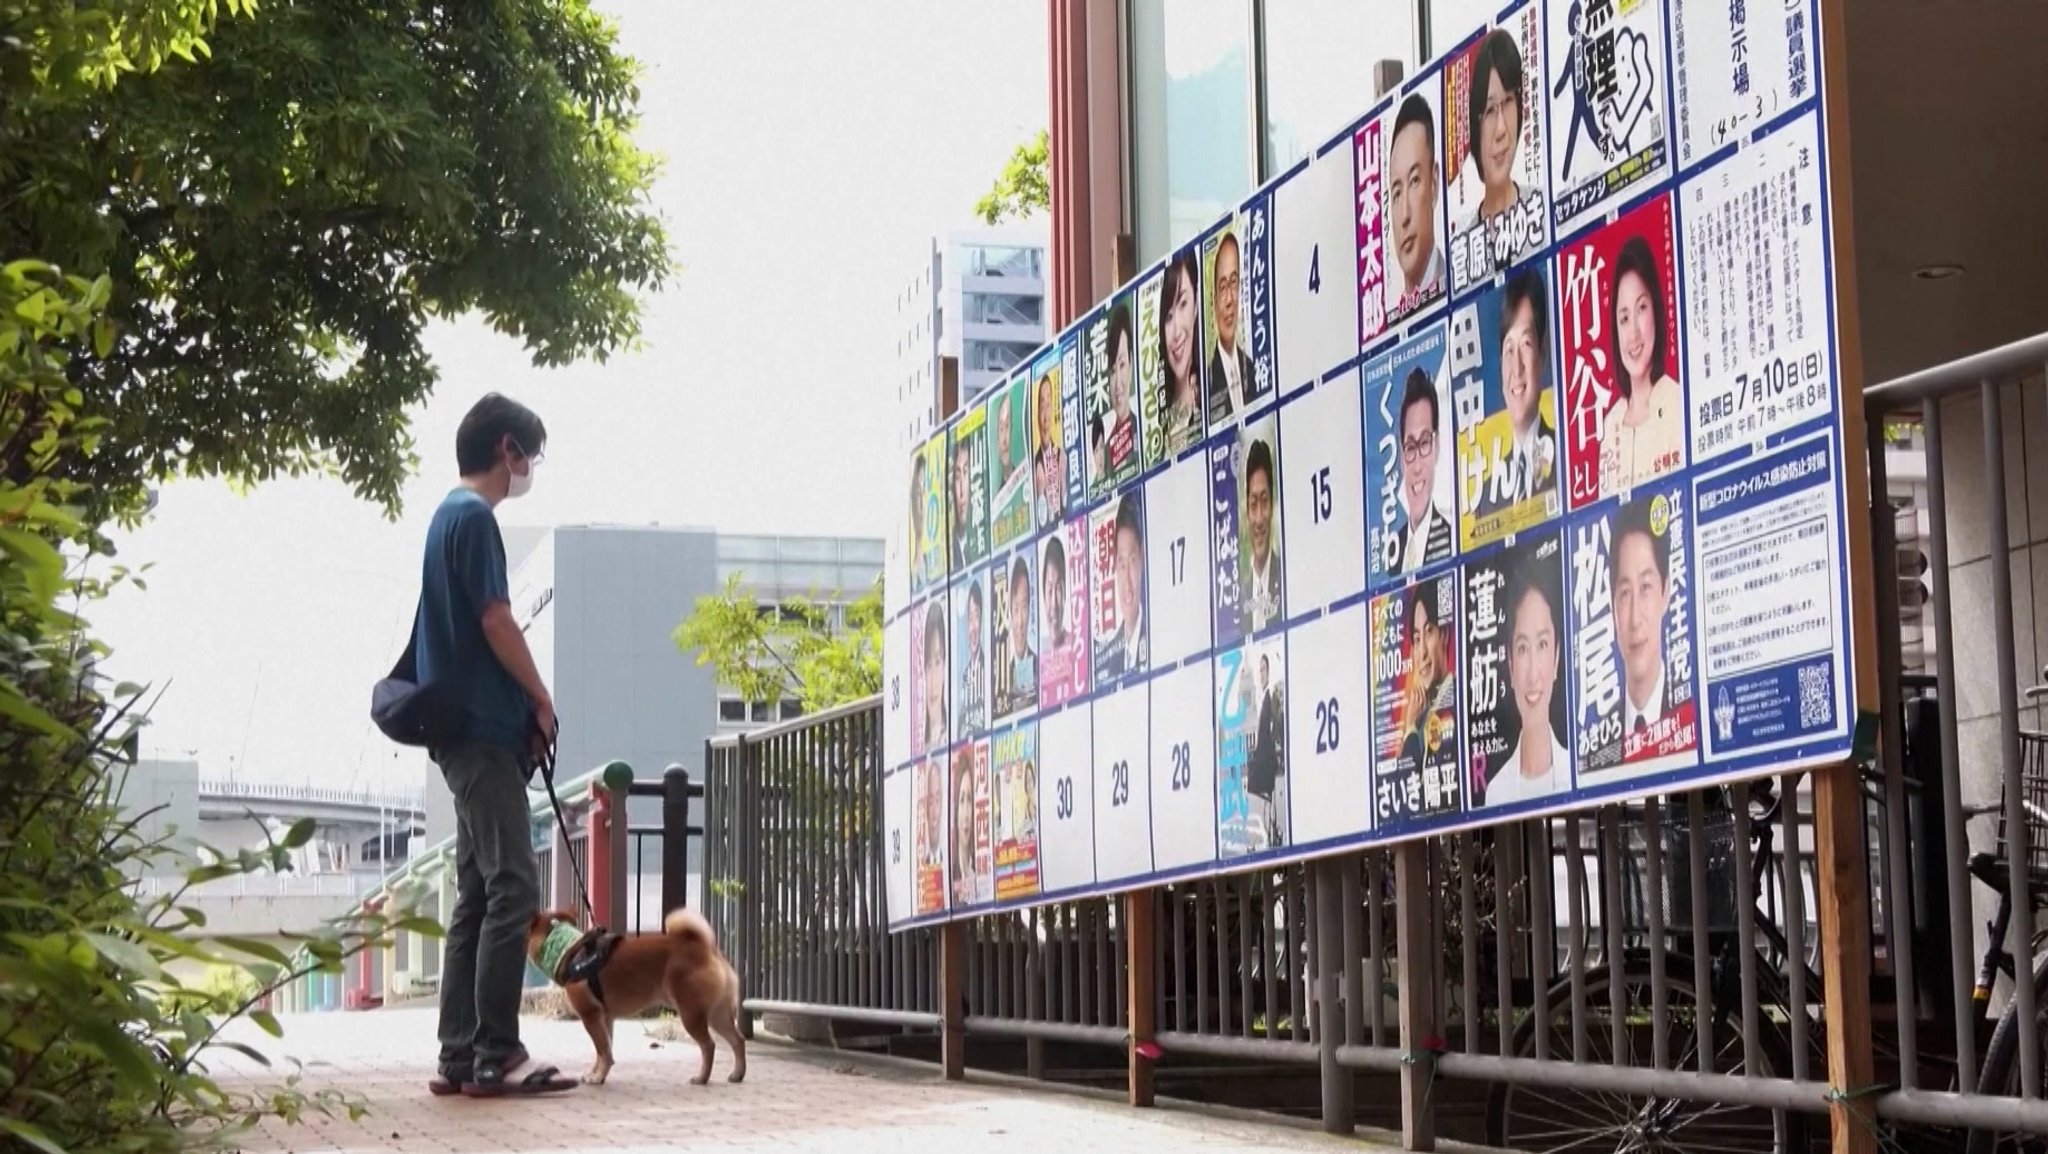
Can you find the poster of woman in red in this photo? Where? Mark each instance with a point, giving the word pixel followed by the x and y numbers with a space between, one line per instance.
pixel 1624 408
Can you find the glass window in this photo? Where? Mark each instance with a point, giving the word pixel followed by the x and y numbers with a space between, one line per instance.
pixel 996 356
pixel 1190 104
pixel 861 551
pixel 792 709
pixel 760 711
pixel 731 709
pixel 1319 63
pixel 1450 21
pixel 1004 261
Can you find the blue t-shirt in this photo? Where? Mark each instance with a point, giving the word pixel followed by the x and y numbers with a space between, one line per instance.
pixel 463 572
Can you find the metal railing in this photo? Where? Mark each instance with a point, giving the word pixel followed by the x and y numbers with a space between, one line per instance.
pixel 1647 973
pixel 221 787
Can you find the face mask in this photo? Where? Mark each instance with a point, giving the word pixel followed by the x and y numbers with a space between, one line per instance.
pixel 522 483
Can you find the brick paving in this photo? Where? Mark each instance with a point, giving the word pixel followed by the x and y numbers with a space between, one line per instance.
pixel 793 1099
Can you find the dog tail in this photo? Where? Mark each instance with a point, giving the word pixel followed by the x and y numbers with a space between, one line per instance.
pixel 690 926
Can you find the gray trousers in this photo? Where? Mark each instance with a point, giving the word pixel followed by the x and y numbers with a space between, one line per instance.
pixel 497 892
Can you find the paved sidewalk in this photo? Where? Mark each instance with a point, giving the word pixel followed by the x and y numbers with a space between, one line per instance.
pixel 793 1099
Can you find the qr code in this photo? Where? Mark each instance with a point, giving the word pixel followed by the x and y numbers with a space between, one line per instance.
pixel 1816 697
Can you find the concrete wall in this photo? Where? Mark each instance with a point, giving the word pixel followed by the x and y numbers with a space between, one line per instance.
pixel 169 788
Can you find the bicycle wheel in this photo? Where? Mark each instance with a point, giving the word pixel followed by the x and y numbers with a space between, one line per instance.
pixel 2001 1073
pixel 1546 1120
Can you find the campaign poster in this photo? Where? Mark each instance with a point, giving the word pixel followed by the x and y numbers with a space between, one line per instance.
pixel 1314 301
pixel 1770 602
pixel 1116 545
pixel 1417 772
pixel 1048 442
pixel 1506 408
pixel 1150 380
pixel 1009 427
pixel 1369 207
pixel 1176 335
pixel 1608 122
pixel 1412 215
pixel 1758 360
pixel 1251 748
pixel 1109 375
pixel 1624 405
pixel 1063 631
pixel 1262 575
pixel 1410 495
pixel 1496 166
pixel 1014 797
pixel 1224 513
pixel 970 656
pixel 1237 295
pixel 1067 357
pixel 1738 67
pixel 1632 616
pixel 929 530
pixel 931 725
pixel 972 855
pixel 970 469
pixel 1516 698
pixel 930 781
pixel 1014 672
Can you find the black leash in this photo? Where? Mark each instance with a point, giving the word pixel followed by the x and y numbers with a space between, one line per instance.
pixel 547 777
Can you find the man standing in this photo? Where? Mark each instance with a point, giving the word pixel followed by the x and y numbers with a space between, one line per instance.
pixel 468 642
pixel 1265 781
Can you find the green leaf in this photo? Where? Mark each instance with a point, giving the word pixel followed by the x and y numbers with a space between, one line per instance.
pixel 255 949
pixel 267 1022
pixel 300 833
pixel 32 1134
pixel 126 956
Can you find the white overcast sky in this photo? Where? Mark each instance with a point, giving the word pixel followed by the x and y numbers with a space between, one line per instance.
pixel 813 148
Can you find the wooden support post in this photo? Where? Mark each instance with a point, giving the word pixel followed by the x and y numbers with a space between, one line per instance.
pixel 1839 857
pixel 1415 977
pixel 1141 909
pixel 953 999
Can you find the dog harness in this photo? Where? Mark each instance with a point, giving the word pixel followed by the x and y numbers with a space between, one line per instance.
pixel 569 955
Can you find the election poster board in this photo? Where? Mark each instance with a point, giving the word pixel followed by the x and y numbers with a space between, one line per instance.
pixel 1486 464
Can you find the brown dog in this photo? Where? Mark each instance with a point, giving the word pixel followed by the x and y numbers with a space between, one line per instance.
pixel 681 968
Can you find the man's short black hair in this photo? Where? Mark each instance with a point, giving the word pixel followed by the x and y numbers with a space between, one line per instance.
pixel 489 422
pixel 1415 110
pixel 1259 460
pixel 1128 517
pixel 1525 286
pixel 1418 390
pixel 1633 518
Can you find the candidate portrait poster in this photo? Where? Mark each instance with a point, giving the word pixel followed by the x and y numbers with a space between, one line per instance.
pixel 1116 546
pixel 1410 496
pixel 972 856
pixel 1516 696
pixel 1624 402
pixel 1608 123
pixel 1502 389
pixel 1048 443
pixel 1632 618
pixel 1413 648
pixel 1237 347
pixel 931 724
pixel 1009 429
pixel 1014 670
pixel 1064 618
pixel 1251 748
pixel 1149 383
pixel 971 658
pixel 930 781
pixel 1177 335
pixel 969 470
pixel 1412 212
pixel 1109 373
pixel 1064 361
pixel 1495 161
pixel 1014 821
pixel 1262 576
pixel 930 531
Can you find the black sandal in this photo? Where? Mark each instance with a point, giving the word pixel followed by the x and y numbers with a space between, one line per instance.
pixel 449 1081
pixel 495 1080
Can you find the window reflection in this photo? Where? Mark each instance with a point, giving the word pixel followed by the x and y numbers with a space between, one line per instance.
pixel 1319 68
pixel 1191 114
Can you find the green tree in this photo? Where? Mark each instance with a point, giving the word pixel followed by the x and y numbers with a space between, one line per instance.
pixel 1024 187
pixel 280 218
pixel 770 653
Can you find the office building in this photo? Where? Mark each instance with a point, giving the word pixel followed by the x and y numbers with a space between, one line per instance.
pixel 972 311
